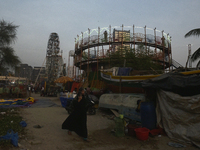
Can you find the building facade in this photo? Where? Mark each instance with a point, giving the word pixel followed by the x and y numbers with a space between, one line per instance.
pixel 24 71
pixel 70 70
pixel 38 74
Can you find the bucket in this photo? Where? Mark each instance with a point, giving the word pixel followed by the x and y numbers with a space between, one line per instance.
pixel 142 133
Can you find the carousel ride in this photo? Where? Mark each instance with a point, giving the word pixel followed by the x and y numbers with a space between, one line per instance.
pixel 94 46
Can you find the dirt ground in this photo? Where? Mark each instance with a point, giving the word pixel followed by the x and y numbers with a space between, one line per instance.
pixel 51 137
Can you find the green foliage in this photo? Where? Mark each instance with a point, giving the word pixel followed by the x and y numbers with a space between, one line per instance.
pixel 12 115
pixel 8 33
pixel 8 58
pixel 7 37
pixel 195 55
pixel 139 60
pixel 194 32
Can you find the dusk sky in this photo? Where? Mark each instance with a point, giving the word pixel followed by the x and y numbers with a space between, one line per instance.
pixel 37 19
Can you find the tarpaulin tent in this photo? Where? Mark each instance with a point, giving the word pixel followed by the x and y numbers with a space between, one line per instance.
pixel 179 116
pixel 124 71
pixel 75 85
pixel 184 85
pixel 178 105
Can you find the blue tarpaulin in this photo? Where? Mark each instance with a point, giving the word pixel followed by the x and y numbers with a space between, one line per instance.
pixel 11 136
pixel 125 71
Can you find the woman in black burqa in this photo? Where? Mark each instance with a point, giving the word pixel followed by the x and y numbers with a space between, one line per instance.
pixel 77 120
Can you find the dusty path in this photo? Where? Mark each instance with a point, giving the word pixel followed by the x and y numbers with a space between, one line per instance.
pixel 52 137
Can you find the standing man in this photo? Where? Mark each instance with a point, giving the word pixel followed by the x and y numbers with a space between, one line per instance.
pixel 29 90
pixel 42 90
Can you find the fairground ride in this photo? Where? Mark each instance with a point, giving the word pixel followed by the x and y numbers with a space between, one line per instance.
pixel 54 59
pixel 94 45
pixel 54 62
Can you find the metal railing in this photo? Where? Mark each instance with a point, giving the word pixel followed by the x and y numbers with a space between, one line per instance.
pixel 136 37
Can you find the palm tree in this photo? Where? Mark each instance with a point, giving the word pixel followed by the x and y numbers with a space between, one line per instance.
pixel 194 32
pixel 8 58
pixel 7 37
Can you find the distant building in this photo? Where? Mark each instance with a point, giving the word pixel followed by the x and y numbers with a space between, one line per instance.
pixel 38 73
pixel 70 70
pixel 24 71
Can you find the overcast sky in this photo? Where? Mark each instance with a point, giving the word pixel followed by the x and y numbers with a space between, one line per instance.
pixel 37 19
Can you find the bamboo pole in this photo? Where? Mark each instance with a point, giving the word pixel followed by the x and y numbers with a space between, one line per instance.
pixel 163 44
pixel 168 53
pixel 155 42
pixel 122 40
pixel 134 38
pixel 79 57
pixel 88 54
pixel 170 50
pixel 81 52
pixel 109 43
pixel 98 53
pixel 145 36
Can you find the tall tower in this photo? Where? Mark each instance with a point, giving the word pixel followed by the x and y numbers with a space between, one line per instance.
pixel 53 58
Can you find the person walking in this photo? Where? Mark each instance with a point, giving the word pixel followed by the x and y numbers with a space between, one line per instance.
pixel 77 120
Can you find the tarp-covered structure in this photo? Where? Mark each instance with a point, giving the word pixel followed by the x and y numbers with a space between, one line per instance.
pixel 178 105
pixel 184 85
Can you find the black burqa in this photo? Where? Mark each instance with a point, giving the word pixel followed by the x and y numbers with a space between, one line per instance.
pixel 77 120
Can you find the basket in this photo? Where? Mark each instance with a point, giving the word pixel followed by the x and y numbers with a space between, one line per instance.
pixel 142 133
